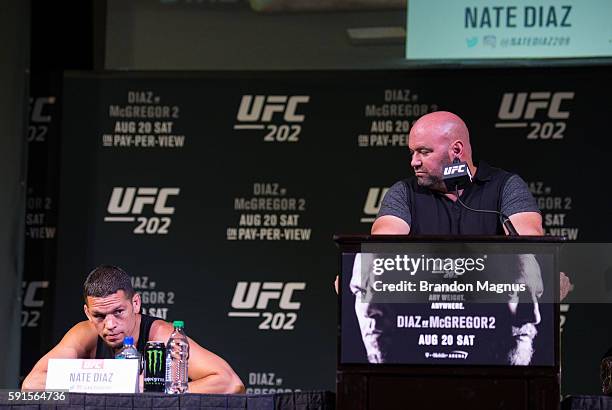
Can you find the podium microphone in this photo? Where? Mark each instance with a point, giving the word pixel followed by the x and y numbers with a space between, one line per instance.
pixel 457 176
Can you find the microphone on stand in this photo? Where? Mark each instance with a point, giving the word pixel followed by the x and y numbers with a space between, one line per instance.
pixel 457 176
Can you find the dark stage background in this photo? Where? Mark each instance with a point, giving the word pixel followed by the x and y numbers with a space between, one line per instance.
pixel 220 193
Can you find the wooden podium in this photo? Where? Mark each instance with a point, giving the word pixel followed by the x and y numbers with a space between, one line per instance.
pixel 385 364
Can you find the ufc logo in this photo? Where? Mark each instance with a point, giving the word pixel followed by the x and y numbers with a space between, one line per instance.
pixel 255 295
pixel 29 296
pixel 374 200
pixel 87 364
pixel 454 169
pixel 260 108
pixel 37 108
pixel 526 105
pixel 132 200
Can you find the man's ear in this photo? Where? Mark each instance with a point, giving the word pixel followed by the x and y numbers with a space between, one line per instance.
pixel 136 302
pixel 456 149
pixel 86 310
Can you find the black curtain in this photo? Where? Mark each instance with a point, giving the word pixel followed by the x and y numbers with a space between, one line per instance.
pixel 14 62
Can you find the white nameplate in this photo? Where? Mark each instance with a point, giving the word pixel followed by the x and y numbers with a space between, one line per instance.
pixel 93 375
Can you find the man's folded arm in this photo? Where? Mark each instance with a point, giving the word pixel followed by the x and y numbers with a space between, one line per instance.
pixel 75 344
pixel 208 372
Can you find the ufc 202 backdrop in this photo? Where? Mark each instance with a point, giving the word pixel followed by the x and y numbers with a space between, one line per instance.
pixel 220 194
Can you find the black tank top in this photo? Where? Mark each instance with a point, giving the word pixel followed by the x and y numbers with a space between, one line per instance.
pixel 103 351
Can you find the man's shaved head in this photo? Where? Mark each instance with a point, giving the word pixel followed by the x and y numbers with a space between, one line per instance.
pixel 435 140
pixel 443 126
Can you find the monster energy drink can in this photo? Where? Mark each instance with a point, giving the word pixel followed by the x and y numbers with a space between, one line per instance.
pixel 155 369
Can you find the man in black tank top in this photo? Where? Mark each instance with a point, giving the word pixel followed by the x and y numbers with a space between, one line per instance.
pixel 104 351
pixel 113 312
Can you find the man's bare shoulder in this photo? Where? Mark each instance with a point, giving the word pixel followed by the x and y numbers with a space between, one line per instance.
pixel 82 337
pixel 84 328
pixel 79 342
pixel 160 330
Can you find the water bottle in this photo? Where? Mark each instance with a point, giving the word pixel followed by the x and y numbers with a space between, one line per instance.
pixel 177 354
pixel 128 351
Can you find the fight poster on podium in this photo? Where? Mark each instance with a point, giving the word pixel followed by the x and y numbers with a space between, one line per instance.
pixel 450 303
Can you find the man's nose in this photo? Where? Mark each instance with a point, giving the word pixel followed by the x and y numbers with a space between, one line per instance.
pixel 109 322
pixel 415 161
pixel 528 313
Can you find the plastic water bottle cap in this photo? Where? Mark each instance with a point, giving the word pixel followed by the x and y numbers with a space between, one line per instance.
pixel 128 340
pixel 178 323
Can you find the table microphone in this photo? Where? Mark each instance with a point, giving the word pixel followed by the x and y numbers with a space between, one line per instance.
pixel 457 176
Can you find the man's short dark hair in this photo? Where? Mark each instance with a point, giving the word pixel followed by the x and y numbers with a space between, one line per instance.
pixel 106 280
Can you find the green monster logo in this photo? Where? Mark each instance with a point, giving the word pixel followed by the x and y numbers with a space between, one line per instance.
pixel 154 358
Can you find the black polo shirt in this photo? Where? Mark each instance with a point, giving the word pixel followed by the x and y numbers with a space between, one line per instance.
pixel 432 213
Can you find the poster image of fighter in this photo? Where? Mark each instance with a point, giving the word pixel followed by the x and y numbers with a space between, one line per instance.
pixel 543 113
pixel 500 333
pixel 128 204
pixel 280 116
pixel 257 300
